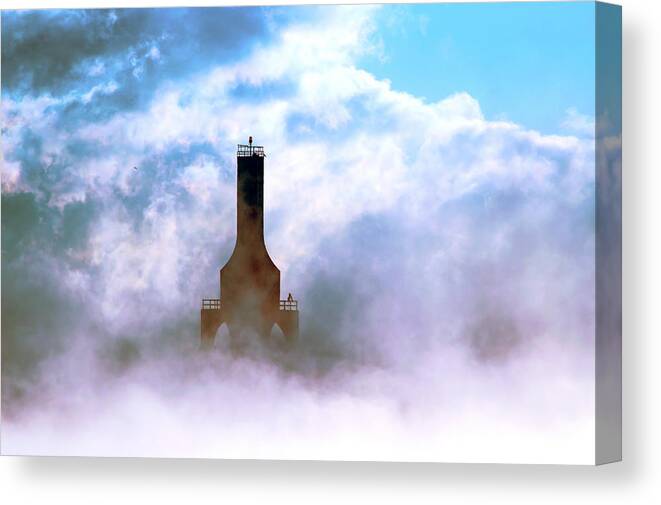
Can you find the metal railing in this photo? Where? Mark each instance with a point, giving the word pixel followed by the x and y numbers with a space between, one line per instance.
pixel 249 150
pixel 288 305
pixel 211 304
pixel 214 304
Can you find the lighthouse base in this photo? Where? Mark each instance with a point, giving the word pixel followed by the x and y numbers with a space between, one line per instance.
pixel 211 319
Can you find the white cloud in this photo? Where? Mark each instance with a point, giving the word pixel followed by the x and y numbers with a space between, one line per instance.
pixel 101 89
pixel 581 124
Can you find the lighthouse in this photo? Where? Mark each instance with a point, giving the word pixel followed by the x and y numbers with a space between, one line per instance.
pixel 249 302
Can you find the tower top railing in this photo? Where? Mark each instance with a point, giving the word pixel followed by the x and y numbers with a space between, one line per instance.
pixel 243 150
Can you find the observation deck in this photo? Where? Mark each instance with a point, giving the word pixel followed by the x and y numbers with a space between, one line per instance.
pixel 214 304
pixel 245 151
pixel 211 304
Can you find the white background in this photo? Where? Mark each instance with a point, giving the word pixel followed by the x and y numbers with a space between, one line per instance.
pixel 99 481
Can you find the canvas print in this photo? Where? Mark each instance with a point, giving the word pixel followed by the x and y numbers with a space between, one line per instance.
pixel 341 232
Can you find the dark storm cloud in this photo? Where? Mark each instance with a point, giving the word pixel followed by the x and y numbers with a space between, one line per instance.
pixel 39 313
pixel 42 51
pixel 61 52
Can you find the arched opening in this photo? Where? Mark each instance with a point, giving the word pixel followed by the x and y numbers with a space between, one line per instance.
pixel 222 339
pixel 247 341
pixel 277 335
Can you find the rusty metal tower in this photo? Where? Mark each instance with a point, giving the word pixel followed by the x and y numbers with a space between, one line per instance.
pixel 249 281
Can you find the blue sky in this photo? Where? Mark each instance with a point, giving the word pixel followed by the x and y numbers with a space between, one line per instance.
pixel 527 62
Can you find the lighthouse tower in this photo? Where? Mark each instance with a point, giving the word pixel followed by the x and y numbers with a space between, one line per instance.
pixel 249 281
